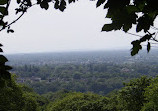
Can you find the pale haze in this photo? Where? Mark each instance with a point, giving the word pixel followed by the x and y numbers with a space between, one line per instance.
pixel 78 28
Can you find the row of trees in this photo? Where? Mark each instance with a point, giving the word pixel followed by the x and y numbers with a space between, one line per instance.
pixel 97 78
pixel 138 95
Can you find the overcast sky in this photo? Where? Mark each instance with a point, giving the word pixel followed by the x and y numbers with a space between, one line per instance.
pixel 77 28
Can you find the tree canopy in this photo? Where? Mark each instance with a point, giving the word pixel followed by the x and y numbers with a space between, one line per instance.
pixel 16 97
pixel 124 15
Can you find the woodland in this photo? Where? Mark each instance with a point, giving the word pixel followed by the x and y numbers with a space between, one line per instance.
pixel 123 83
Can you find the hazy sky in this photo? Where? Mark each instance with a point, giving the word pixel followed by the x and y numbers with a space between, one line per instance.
pixel 77 28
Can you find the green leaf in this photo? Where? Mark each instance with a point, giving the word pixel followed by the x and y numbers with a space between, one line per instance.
pixel 3 59
pixel 10 30
pixel 1 50
pixel 62 5
pixel 8 67
pixel 38 1
pixel 3 2
pixel 44 5
pixel 56 5
pixel 70 1
pixel 2 10
pixel 126 27
pixel 28 2
pixel 136 47
pixel 18 1
pixel 146 37
pixel 108 27
pixel 100 2
pixel 144 23
pixel 132 8
pixel 148 47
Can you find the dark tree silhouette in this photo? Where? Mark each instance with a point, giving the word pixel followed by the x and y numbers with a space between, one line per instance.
pixel 126 14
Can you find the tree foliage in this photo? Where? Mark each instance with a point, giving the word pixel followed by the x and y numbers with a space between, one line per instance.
pixel 132 95
pixel 16 97
pixel 11 97
pixel 125 14
pixel 79 102
pixel 151 94
pixel 137 95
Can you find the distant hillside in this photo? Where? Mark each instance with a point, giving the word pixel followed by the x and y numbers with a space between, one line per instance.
pixel 117 57
pixel 98 71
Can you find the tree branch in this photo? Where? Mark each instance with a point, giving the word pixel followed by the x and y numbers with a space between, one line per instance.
pixel 17 18
pixel 134 34
pixel 154 39
pixel 13 21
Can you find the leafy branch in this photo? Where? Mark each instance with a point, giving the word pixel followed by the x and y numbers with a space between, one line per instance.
pixel 126 13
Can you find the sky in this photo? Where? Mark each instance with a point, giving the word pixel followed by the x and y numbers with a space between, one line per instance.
pixel 78 28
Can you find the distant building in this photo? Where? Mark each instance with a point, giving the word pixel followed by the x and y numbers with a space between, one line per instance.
pixel 35 79
pixel 32 79
pixel 21 80
pixel 125 70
